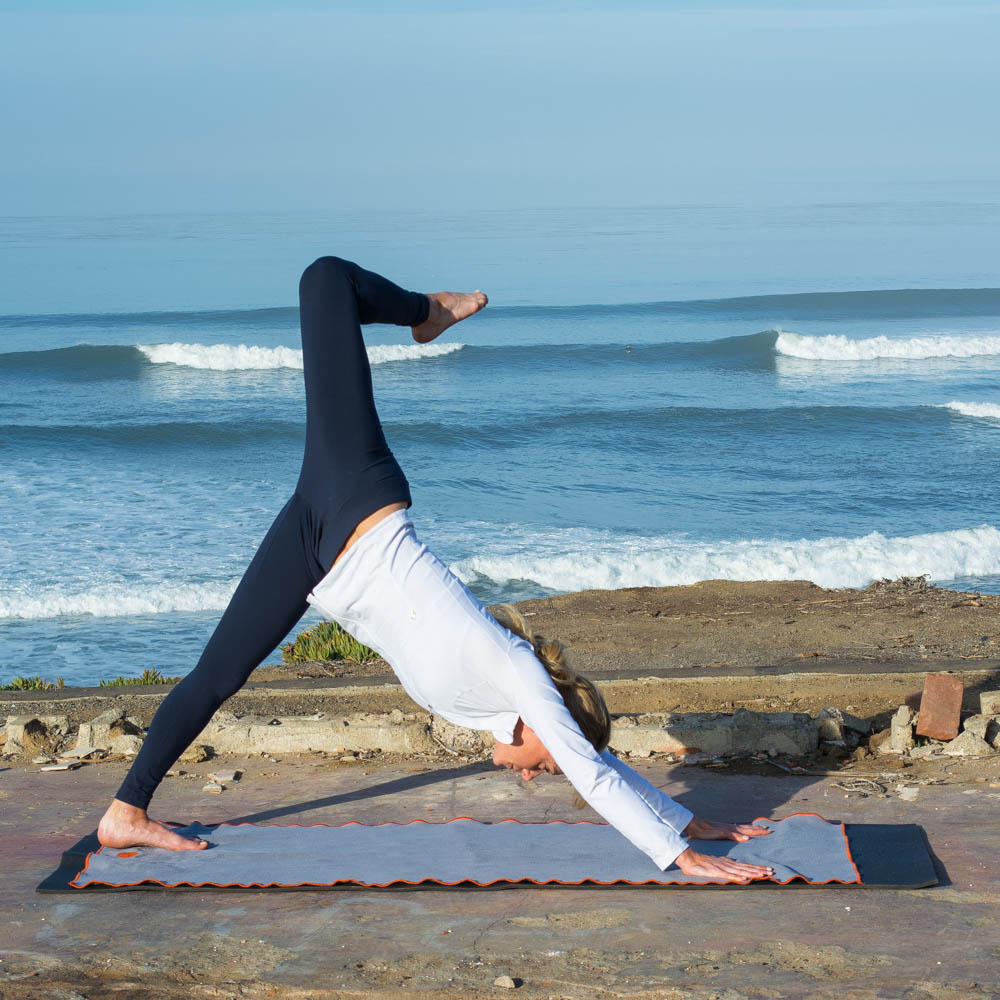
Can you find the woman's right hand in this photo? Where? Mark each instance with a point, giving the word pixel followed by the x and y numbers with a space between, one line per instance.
pixel 707 866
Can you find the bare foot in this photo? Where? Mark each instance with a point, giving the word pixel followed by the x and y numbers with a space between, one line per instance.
pixel 703 829
pixel 128 826
pixel 447 308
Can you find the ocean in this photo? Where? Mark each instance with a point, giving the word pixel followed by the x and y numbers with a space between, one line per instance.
pixel 808 389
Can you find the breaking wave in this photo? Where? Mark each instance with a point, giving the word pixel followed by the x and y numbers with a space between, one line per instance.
pixel 576 559
pixel 835 347
pixel 241 357
pixel 116 600
pixel 988 411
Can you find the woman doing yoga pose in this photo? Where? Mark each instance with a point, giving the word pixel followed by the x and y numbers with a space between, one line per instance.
pixel 344 543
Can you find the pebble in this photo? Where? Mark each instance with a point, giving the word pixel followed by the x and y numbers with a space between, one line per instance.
pixel 505 982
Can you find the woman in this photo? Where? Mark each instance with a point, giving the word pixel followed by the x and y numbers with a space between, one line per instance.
pixel 344 543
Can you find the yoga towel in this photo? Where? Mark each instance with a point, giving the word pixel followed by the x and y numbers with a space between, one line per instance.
pixel 803 846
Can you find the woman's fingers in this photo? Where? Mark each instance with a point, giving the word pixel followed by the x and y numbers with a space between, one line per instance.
pixel 707 866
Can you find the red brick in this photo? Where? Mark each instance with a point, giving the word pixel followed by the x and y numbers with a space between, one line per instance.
pixel 940 707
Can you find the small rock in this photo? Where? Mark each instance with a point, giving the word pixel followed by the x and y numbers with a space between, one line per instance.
pixel 42 759
pixel 879 742
pixel 989 702
pixel 830 724
pixel 927 750
pixel 174 773
pixel 967 745
pixel 348 756
pixel 852 722
pixel 195 754
pixel 225 777
pixel 213 788
pixel 505 982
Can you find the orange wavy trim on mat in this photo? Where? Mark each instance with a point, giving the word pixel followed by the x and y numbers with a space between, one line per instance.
pixel 383 885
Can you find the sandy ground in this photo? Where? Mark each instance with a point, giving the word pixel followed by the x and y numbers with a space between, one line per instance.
pixel 722 623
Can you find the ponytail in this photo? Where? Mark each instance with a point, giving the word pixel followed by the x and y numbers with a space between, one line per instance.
pixel 580 694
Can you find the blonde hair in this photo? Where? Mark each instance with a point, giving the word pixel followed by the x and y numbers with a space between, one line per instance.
pixel 580 694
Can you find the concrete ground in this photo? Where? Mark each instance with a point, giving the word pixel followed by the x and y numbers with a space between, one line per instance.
pixel 941 943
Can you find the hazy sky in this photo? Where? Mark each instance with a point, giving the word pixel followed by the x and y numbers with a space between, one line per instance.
pixel 135 106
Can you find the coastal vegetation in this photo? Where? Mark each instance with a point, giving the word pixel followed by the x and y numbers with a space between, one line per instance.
pixel 146 677
pixel 36 683
pixel 326 641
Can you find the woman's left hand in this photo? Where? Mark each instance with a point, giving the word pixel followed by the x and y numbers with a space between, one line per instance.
pixel 703 829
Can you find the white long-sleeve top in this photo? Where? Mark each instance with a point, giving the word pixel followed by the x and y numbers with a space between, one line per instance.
pixel 452 657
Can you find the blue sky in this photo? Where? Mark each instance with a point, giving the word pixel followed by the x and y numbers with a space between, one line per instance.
pixel 115 106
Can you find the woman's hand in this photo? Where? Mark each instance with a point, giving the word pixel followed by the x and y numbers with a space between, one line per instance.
pixel 703 829
pixel 708 866
pixel 692 863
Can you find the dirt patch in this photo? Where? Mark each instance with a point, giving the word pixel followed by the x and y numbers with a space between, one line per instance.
pixel 580 920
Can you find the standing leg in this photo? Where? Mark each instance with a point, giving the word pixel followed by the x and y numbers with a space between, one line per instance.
pixel 268 602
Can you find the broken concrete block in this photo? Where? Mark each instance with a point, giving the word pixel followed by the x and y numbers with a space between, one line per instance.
pixel 99 732
pixel 30 734
pixel 716 733
pixel 983 726
pixel 64 765
pixel 455 738
pixel 927 750
pixel 901 731
pixel 225 777
pixel 967 745
pixel 266 734
pixel 940 706
pixel 213 787
pixel 989 702
pixel 861 726
pixel 128 745
pixel 81 753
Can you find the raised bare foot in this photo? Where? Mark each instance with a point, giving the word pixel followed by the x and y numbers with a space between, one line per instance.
pixel 447 308
pixel 128 826
pixel 703 829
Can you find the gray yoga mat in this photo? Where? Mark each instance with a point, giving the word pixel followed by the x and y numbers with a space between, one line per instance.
pixel 462 851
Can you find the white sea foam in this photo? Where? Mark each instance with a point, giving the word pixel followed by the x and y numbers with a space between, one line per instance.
pixel 243 357
pixel 115 600
pixel 989 411
pixel 839 348
pixel 574 559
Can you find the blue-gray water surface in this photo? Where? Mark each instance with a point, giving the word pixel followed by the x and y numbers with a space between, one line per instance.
pixel 654 396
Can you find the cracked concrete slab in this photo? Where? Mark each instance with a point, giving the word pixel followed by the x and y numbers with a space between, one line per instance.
pixel 940 943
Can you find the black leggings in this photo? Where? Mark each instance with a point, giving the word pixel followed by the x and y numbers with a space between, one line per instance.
pixel 348 472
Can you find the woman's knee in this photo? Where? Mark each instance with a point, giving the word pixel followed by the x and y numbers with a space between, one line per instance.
pixel 327 269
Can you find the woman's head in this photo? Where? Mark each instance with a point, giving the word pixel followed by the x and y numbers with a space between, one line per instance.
pixel 581 696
